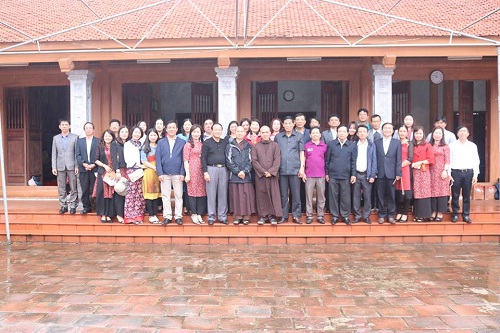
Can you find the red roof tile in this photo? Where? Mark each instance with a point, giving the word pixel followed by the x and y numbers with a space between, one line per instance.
pixel 31 19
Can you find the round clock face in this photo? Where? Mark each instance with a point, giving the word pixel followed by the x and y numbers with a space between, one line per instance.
pixel 436 77
pixel 288 95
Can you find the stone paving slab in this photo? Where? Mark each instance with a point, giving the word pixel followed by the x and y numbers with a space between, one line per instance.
pixel 428 288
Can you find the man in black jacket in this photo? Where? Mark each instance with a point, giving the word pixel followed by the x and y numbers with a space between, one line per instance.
pixel 341 173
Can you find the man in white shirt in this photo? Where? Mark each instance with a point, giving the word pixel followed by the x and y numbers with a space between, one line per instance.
pixel 464 164
pixel 366 172
pixel 86 148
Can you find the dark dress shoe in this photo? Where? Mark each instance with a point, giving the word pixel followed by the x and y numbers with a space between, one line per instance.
pixel 273 221
pixel 166 221
pixel 356 220
pixel 334 220
pixel 224 222
pixel 368 220
pixel 296 220
pixel 392 220
pixel 211 221
pixel 321 220
pixel 309 220
pixel 454 218
pixel 467 219
pixel 381 220
pixel 85 211
pixel 282 221
pixel 63 210
pixel 346 220
pixel 178 221
pixel 72 210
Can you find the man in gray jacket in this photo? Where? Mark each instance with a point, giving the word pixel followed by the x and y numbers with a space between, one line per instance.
pixel 64 166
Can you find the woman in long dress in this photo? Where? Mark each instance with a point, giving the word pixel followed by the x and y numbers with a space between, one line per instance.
pixel 423 155
pixel 440 177
pixel 119 200
pixel 134 200
pixel 404 192
pixel 150 183
pixel 195 181
pixel 106 161
pixel 241 191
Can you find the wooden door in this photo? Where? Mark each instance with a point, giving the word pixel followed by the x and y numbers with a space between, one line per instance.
pixel 401 98
pixel 202 102
pixel 334 100
pixel 266 99
pixel 15 135
pixel 137 103
pixel 466 106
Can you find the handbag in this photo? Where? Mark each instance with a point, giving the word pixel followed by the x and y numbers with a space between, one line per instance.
pixel 136 175
pixel 110 178
pixel 121 186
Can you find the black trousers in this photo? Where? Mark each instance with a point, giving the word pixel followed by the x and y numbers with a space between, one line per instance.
pixel 290 184
pixel 87 181
pixel 340 197
pixel 462 181
pixel 362 189
pixel 386 194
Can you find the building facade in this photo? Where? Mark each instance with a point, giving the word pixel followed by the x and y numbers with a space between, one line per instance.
pixel 262 60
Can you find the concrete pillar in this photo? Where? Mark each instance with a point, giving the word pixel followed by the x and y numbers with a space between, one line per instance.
pixel 382 92
pixel 227 94
pixel 80 99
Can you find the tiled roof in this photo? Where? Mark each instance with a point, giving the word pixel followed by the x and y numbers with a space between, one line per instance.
pixel 31 19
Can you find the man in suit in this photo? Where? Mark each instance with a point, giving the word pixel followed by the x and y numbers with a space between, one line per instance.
pixel 331 133
pixel 64 166
pixel 388 172
pixel 341 173
pixel 85 157
pixel 170 169
pixel 375 132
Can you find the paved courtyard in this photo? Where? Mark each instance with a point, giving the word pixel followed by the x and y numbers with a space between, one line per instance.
pixel 337 288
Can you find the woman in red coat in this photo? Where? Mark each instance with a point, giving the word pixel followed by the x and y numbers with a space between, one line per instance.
pixel 403 187
pixel 423 155
pixel 440 177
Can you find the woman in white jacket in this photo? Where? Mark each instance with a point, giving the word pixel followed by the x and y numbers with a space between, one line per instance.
pixel 134 200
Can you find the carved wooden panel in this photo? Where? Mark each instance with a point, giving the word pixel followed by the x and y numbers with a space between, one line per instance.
pixel 137 103
pixel 334 101
pixel 15 155
pixel 401 97
pixel 466 105
pixel 202 102
pixel 266 101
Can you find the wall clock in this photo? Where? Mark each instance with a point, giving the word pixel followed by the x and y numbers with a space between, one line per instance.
pixel 288 95
pixel 436 76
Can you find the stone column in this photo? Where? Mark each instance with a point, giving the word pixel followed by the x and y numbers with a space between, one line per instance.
pixel 382 92
pixel 227 95
pixel 80 99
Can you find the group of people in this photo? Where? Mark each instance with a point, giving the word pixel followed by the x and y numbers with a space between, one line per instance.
pixel 270 171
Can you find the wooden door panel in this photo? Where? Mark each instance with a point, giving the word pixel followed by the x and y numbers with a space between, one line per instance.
pixel 466 105
pixel 266 100
pixel 202 102
pixel 401 98
pixel 333 101
pixel 15 136
pixel 137 103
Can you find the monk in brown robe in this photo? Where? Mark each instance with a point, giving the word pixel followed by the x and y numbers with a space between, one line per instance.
pixel 266 157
